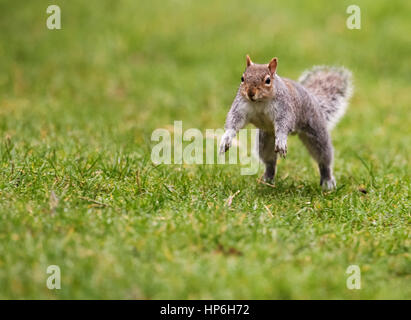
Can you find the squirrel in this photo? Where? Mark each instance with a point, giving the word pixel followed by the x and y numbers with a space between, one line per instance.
pixel 279 106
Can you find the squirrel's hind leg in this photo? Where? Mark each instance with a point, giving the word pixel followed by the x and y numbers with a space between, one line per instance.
pixel 320 147
pixel 266 146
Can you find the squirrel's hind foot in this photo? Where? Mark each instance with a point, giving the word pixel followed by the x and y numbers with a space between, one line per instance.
pixel 328 184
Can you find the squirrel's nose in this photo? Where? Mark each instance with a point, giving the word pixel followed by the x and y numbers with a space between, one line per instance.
pixel 251 93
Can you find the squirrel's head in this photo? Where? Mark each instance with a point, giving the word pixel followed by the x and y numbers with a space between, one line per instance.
pixel 257 80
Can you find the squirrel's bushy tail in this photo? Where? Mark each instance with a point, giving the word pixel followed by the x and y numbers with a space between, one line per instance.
pixel 333 88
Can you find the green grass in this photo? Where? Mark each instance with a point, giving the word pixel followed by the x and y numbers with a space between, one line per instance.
pixel 78 189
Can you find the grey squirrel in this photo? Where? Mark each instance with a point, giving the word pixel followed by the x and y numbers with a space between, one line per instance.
pixel 279 106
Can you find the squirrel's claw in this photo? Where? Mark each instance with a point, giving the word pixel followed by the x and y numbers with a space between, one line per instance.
pixel 225 144
pixel 281 148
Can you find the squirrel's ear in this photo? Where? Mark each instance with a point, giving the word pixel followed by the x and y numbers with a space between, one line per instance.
pixel 273 65
pixel 249 62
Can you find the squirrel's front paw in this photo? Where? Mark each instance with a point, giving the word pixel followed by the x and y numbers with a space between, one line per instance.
pixel 281 147
pixel 225 143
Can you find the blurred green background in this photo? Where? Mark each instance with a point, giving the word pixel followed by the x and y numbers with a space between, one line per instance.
pixel 78 190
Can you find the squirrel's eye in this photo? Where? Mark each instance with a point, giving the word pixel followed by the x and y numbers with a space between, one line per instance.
pixel 242 79
pixel 267 81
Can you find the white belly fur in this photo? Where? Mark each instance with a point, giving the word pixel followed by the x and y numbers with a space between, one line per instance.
pixel 260 114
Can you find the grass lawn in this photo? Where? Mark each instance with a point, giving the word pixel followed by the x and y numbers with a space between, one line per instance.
pixel 78 188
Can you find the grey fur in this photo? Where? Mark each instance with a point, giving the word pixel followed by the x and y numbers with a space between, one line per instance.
pixel 333 88
pixel 308 108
